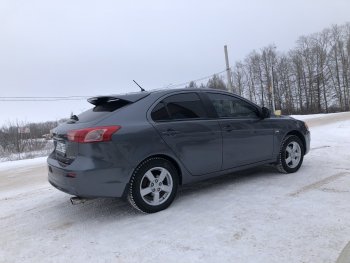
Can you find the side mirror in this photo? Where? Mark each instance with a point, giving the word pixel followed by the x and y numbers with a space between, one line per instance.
pixel 265 113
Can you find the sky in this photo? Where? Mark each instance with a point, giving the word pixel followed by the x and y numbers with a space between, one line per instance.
pixel 86 48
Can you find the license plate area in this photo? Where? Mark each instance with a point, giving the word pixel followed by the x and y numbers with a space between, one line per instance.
pixel 61 148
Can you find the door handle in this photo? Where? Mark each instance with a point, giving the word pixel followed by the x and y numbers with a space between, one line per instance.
pixel 170 132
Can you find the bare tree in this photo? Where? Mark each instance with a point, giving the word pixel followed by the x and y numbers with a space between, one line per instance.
pixel 313 77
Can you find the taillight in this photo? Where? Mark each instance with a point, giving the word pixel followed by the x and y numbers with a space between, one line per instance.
pixel 96 134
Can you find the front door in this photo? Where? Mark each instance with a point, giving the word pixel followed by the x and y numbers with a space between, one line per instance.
pixel 247 138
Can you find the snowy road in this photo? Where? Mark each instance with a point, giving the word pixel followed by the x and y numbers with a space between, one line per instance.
pixel 258 215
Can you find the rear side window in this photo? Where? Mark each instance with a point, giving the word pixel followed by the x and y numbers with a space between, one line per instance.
pixel 160 113
pixel 231 107
pixel 179 107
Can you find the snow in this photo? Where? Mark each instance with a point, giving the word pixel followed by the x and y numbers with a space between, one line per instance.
pixel 22 163
pixel 258 215
pixel 315 120
pixel 317 116
pixel 309 116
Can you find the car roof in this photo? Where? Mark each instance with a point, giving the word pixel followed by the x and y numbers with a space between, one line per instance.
pixel 135 96
pixel 171 90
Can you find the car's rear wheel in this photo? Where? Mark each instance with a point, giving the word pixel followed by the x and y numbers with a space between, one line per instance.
pixel 153 185
pixel 291 155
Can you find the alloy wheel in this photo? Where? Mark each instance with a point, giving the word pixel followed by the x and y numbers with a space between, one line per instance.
pixel 156 186
pixel 293 154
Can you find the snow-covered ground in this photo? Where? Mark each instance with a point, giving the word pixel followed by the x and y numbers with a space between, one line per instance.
pixel 322 119
pixel 22 163
pixel 310 116
pixel 257 215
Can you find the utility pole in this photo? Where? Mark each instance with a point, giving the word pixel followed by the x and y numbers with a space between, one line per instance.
pixel 272 91
pixel 228 71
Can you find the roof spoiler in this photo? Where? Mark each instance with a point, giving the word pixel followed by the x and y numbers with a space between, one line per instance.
pixel 101 100
pixel 130 97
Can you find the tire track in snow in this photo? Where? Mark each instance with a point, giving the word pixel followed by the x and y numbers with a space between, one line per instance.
pixel 319 184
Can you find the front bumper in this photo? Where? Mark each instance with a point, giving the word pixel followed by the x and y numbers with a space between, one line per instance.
pixel 85 178
pixel 307 137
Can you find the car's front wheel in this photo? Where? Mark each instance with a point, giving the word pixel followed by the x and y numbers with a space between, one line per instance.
pixel 291 155
pixel 153 185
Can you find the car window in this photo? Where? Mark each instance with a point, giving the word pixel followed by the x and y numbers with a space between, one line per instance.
pixel 101 110
pixel 110 106
pixel 185 106
pixel 179 107
pixel 230 107
pixel 160 113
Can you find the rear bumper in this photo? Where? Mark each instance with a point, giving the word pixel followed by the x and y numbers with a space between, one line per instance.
pixel 87 180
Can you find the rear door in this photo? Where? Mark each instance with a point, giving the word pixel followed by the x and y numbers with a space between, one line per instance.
pixel 196 140
pixel 247 138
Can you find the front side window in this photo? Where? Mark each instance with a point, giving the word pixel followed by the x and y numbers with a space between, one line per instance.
pixel 179 107
pixel 230 107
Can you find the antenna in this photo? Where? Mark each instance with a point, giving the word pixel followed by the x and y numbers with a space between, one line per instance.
pixel 142 89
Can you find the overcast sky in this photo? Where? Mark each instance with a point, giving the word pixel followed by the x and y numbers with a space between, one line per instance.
pixel 81 47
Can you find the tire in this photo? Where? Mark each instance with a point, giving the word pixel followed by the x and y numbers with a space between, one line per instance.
pixel 291 155
pixel 153 185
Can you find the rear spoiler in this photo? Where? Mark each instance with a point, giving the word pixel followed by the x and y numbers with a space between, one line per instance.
pixel 130 97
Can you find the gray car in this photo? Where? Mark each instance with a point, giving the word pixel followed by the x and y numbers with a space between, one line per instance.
pixel 142 146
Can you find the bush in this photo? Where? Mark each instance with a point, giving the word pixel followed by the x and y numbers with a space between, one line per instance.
pixel 22 140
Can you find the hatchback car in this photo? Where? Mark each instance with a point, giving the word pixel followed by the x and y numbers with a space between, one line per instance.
pixel 142 146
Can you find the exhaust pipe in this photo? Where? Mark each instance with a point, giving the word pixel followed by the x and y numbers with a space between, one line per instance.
pixel 78 200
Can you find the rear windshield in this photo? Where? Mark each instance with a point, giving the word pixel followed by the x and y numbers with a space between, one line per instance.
pixel 110 106
pixel 101 110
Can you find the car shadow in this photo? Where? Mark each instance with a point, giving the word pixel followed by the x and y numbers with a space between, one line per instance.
pixel 229 179
pixel 116 209
pixel 119 209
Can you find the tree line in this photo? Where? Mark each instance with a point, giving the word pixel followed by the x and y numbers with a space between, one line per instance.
pixel 313 77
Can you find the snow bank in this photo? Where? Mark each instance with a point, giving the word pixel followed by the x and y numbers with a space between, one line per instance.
pixel 315 116
pixel 22 163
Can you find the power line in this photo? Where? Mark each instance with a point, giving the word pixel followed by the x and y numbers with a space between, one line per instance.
pixel 39 98
pixel 67 98
pixel 203 78
pixel 43 97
